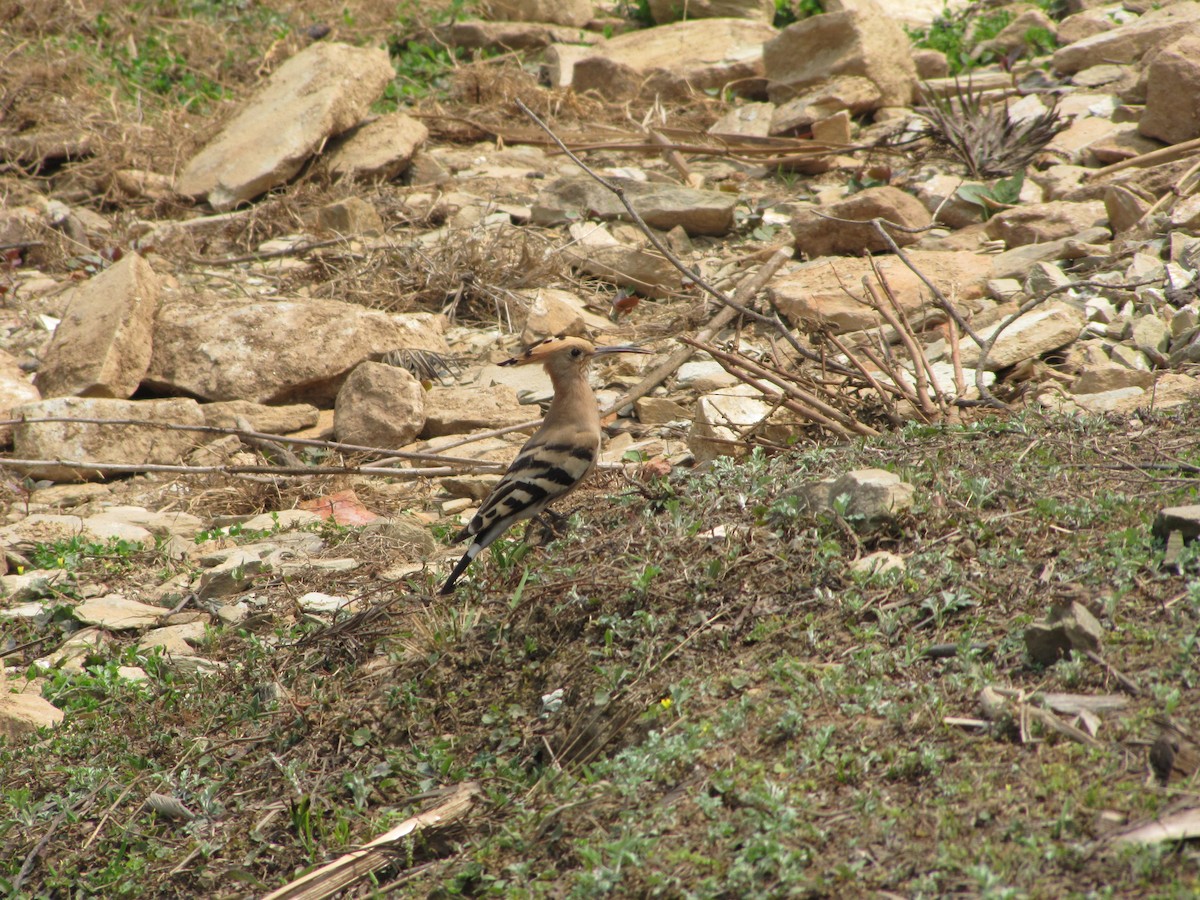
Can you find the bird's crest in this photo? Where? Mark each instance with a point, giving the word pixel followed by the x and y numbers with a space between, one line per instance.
pixel 546 348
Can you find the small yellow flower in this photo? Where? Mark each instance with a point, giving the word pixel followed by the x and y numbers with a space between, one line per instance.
pixel 666 702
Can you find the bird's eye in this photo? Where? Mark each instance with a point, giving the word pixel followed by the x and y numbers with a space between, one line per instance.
pixel 576 352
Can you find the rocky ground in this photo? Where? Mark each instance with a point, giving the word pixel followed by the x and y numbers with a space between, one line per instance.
pixel 903 500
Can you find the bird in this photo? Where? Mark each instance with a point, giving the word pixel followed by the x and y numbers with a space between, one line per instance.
pixel 559 456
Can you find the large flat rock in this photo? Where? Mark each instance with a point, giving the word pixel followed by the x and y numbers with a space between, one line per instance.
pixel 675 60
pixel 662 206
pixel 318 93
pixel 86 441
pixel 829 290
pixel 276 351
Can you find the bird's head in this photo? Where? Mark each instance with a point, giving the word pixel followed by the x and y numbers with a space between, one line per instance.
pixel 563 354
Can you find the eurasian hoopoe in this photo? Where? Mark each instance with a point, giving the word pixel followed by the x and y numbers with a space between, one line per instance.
pixel 559 456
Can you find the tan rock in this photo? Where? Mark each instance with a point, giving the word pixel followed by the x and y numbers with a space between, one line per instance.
pixel 82 442
pixel 561 12
pixel 861 42
pixel 550 312
pixel 351 216
pixel 829 290
pixel 595 251
pixel 102 346
pixel 835 129
pixel 661 206
pixel 379 406
pixel 845 93
pixel 508 36
pixel 1128 43
pixel 267 419
pixel 461 410
pixel 745 119
pixel 24 714
pixel 817 235
pixel 118 613
pixel 1173 92
pixel 1042 222
pixel 1042 329
pixel 660 411
pixel 665 11
pixel 1082 25
pixel 1099 379
pixel 672 61
pixel 723 416
pixel 930 63
pixel 16 389
pixel 378 150
pixel 175 640
pixel 1123 207
pixel 320 92
pixel 276 351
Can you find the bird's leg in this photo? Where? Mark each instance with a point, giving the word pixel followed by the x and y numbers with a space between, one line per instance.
pixel 552 523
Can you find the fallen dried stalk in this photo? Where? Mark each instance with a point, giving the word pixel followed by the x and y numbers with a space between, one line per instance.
pixel 139 468
pixel 1154 157
pixel 379 853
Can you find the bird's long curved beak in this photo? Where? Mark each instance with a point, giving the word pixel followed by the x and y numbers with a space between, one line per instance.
pixel 619 348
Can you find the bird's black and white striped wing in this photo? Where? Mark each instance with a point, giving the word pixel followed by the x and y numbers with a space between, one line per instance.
pixel 541 473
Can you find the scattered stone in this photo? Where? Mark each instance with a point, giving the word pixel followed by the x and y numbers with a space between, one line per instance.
pixel 118 613
pixel 175 640
pixel 721 418
pixel 318 93
pixel 878 563
pixel 830 291
pixel 231 576
pixel 379 406
pixel 660 411
pixel 261 418
pixel 101 348
pixel 461 410
pixel 317 603
pixel 1042 329
pixel 851 94
pixel 576 13
pixel 672 61
pixel 22 588
pixel 745 120
pixel 665 11
pixel 16 389
pixel 84 442
pixel 1124 208
pixel 156 524
pixel 1172 85
pixel 312 346
pixel 873 495
pixel 818 235
pixel 1184 519
pixel 661 206
pixel 1043 222
pixel 1128 43
pixel 350 216
pixel 24 714
pixel 704 375
pixel 379 150
pixel 595 251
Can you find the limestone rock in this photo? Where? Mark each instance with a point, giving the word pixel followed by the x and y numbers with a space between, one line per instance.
pixel 157 524
pixel 461 410
pixel 845 93
pixel 661 206
pixel 351 216
pixel 818 236
pixel 378 150
pixel 276 351
pixel 82 442
pixel 230 576
pixel 16 389
pixel 745 120
pixel 665 11
pixel 873 494
pixel 117 612
pixel 1042 329
pixel 722 417
pixel 318 93
pixel 672 61
pixel 1128 43
pixel 379 406
pixel 266 419
pixel 1040 223
pixel 1185 519
pixel 829 290
pixel 24 714
pixel 560 12
pixel 595 251
pixel 861 42
pixel 23 588
pixel 1123 207
pixel 550 312
pixel 1173 92
pixel 102 346
pixel 175 640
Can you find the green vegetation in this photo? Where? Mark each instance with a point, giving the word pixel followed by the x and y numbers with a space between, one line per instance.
pixel 960 34
pixel 652 709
